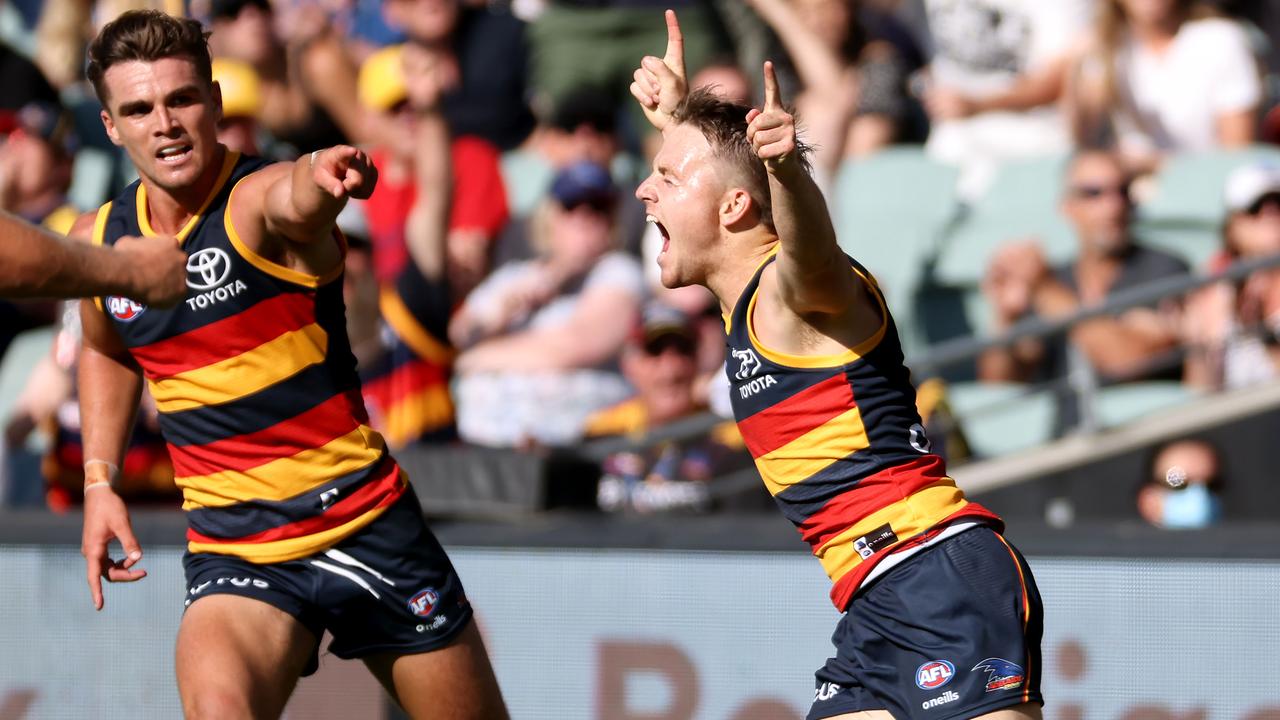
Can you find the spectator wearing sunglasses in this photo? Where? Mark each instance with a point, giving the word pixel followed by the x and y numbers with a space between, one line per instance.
pixel 1133 345
pixel 660 362
pixel 541 338
pixel 1232 330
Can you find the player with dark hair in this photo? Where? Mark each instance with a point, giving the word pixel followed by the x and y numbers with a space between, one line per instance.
pixel 36 263
pixel 942 618
pixel 299 521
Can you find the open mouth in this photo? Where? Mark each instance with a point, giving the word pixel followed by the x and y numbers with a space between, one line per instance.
pixel 666 236
pixel 174 154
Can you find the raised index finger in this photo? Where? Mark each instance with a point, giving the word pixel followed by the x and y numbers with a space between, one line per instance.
pixel 772 98
pixel 674 58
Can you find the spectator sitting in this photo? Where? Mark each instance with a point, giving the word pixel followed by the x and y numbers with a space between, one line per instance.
pixel 1231 330
pixel 1183 486
pixel 479 201
pixel 995 77
pixel 659 362
pixel 241 103
pixel 1163 77
pixel 541 337
pixel 1019 282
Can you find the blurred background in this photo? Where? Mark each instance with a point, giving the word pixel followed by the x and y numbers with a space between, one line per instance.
pixel 1073 207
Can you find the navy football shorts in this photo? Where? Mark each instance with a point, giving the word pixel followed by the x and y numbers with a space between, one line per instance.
pixel 389 588
pixel 952 632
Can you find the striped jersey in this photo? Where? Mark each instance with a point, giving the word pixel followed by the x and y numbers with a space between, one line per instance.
pixel 840 446
pixel 256 387
pixel 407 388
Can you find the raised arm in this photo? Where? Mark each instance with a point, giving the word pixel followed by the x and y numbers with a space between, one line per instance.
pixel 813 274
pixel 660 83
pixel 817 64
pixel 428 223
pixel 37 263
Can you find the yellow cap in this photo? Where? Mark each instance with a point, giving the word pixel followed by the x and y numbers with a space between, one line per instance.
pixel 381 84
pixel 241 91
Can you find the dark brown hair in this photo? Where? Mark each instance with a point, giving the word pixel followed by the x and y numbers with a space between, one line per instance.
pixel 147 35
pixel 724 125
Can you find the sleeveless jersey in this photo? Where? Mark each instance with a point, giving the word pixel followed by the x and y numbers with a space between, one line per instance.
pixel 256 387
pixel 407 388
pixel 839 444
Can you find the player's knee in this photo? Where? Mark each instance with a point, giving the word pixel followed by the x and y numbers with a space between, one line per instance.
pixel 215 703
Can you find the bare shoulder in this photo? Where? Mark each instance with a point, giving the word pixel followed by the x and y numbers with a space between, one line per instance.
pixel 82 228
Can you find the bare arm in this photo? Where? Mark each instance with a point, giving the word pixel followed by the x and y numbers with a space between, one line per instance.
pixel 428 224
pixel 1237 129
pixel 819 68
pixel 1042 86
pixel 813 274
pixel 109 386
pixel 299 201
pixel 37 263
pixel 593 335
pixel 329 77
pixel 1114 346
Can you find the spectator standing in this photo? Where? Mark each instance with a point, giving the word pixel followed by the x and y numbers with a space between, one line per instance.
pixel 1164 76
pixel 995 78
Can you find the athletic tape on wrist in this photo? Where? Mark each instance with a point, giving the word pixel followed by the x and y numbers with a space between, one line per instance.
pixel 113 473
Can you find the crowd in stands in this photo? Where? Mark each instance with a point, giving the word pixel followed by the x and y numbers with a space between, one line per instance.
pixel 501 287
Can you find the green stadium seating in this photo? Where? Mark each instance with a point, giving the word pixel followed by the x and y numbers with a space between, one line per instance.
pixel 1000 418
pixel 19 360
pixel 1022 203
pixel 1119 404
pixel 1185 213
pixel 889 211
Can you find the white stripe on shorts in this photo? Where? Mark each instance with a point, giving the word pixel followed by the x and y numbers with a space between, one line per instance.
pixel 346 574
pixel 346 559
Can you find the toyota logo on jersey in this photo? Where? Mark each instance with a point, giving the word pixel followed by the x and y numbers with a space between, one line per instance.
pixel 124 309
pixel 207 268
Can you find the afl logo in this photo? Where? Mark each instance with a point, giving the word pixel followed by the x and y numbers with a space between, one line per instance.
pixel 934 674
pixel 124 309
pixel 422 603
pixel 207 268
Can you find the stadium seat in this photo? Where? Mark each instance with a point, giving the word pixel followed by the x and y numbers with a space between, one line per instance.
pixel 890 210
pixel 1021 203
pixel 18 362
pixel 1185 213
pixel 527 178
pixel 1119 404
pixel 91 178
pixel 999 418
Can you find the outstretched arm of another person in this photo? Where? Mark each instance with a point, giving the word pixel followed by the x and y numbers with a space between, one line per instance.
pixel 813 274
pixel 38 263
pixel 428 225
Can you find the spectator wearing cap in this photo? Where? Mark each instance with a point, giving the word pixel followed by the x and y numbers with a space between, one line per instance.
pixel 479 202
pixel 1019 282
pixel 488 46
pixel 659 360
pixel 1232 331
pixel 399 327
pixel 540 338
pixel 241 104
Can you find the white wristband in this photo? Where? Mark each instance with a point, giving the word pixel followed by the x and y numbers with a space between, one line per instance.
pixel 94 484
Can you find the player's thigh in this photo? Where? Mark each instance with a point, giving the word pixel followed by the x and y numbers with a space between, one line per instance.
pixel 238 657
pixel 455 682
pixel 1025 711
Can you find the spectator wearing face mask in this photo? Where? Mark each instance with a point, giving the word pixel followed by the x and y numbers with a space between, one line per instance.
pixel 1182 490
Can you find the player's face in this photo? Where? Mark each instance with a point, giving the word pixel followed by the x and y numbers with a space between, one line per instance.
pixel 680 196
pixel 165 116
